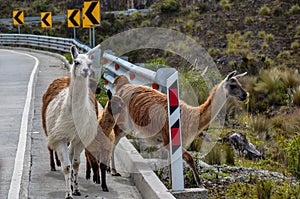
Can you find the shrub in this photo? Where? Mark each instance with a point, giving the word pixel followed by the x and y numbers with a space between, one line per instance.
pixel 264 189
pixel 226 4
pixel 298 30
pixel 229 155
pixel 265 10
pixel 202 7
pixel 214 52
pixel 170 6
pixel 284 55
pixel 214 156
pixel 295 9
pixel 295 45
pixel 260 124
pixel 261 34
pixel 296 96
pixel 269 37
pixel 293 153
pixel 249 20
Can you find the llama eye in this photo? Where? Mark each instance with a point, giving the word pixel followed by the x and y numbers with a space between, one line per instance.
pixel 76 62
pixel 233 86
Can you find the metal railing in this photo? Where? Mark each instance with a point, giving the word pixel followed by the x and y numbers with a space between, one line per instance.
pixel 42 42
pixel 113 66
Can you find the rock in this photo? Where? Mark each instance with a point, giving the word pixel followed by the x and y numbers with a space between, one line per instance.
pixel 242 145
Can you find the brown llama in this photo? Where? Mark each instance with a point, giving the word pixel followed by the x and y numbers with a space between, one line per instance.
pixel 99 152
pixel 145 114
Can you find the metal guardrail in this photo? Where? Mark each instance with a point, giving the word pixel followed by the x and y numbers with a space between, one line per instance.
pixel 43 42
pixel 113 66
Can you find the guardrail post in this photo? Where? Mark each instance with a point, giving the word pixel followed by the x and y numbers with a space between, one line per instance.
pixel 175 133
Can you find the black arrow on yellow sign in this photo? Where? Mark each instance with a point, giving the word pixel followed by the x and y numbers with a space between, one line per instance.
pixel 46 19
pixel 18 17
pixel 89 13
pixel 73 18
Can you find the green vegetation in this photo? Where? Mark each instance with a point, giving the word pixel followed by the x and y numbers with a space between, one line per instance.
pixel 170 6
pixel 264 10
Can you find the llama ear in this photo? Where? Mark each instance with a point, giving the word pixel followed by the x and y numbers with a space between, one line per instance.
pixel 74 52
pixel 92 51
pixel 109 94
pixel 241 75
pixel 230 75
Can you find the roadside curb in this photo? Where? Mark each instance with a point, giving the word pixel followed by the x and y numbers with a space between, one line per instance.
pixel 142 175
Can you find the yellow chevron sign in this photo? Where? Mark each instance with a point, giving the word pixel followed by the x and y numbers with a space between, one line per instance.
pixel 73 18
pixel 46 19
pixel 18 17
pixel 91 13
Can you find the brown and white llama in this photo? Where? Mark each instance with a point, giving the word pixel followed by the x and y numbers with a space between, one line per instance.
pixel 145 114
pixel 53 90
pixel 99 152
pixel 71 117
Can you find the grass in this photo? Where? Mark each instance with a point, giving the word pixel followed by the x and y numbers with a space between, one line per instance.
pixel 264 10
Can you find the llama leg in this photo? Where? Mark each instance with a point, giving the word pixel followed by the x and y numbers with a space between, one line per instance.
pixel 95 167
pixel 113 166
pixel 75 164
pixel 103 168
pixel 52 163
pixel 190 161
pixel 57 160
pixel 88 166
pixel 63 155
pixel 118 133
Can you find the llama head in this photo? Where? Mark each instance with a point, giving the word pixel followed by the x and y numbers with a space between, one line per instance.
pixel 120 81
pixel 81 66
pixel 115 103
pixel 233 87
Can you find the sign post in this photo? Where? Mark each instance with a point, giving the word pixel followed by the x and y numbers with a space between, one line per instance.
pixel 74 20
pixel 175 133
pixel 18 18
pixel 91 18
pixel 46 20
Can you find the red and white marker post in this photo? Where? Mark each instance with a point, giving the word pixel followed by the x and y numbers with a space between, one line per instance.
pixel 175 133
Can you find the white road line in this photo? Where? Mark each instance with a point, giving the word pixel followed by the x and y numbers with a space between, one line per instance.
pixel 15 185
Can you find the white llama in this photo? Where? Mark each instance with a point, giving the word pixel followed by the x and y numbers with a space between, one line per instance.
pixel 71 117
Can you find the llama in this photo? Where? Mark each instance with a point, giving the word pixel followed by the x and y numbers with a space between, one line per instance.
pixel 71 118
pixel 53 90
pixel 145 114
pixel 99 152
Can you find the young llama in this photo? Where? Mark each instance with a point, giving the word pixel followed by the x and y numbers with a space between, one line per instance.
pixel 71 118
pixel 145 114
pixel 99 152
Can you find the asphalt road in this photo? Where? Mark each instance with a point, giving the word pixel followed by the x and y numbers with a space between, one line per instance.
pixel 30 173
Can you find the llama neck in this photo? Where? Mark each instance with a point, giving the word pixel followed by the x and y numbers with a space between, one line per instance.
pixel 212 106
pixel 78 91
pixel 107 122
pixel 82 110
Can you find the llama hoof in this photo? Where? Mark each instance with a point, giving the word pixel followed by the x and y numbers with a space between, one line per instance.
pixel 58 163
pixel 116 174
pixel 68 196
pixel 105 189
pixel 53 169
pixel 76 193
